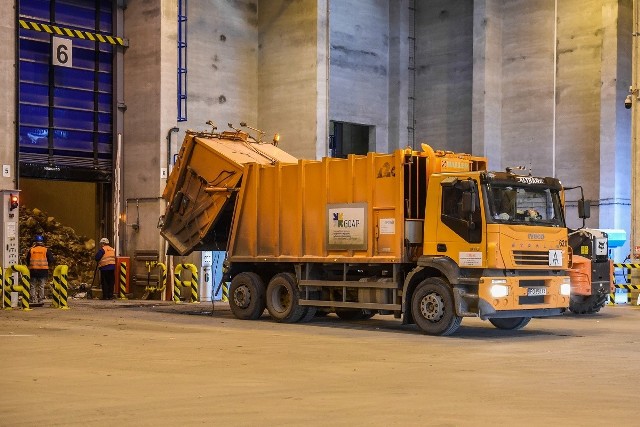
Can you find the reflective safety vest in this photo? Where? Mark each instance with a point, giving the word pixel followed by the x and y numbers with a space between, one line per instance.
pixel 38 258
pixel 109 257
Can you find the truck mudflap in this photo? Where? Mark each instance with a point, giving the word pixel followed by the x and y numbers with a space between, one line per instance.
pixel 486 311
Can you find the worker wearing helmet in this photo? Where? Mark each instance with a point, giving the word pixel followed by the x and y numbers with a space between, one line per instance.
pixel 106 258
pixel 38 259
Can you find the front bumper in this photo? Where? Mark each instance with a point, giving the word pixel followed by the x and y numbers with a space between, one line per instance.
pixel 523 296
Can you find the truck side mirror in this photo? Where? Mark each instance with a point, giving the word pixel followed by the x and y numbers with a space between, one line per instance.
pixel 584 209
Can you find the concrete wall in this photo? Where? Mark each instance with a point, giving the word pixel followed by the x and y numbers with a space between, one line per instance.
pixel 444 74
pixel 615 120
pixel 528 85
pixel 399 32
pixel 487 81
pixel 150 96
pixel 222 80
pixel 291 75
pixel 555 102
pixel 8 96
pixel 359 71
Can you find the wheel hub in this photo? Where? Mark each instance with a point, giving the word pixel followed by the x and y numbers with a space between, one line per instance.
pixel 432 307
pixel 281 299
pixel 242 297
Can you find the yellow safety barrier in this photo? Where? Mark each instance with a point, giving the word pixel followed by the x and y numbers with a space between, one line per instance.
pixel 162 283
pixel 24 287
pixel 60 287
pixel 627 286
pixel 225 292
pixel 122 279
pixel 192 284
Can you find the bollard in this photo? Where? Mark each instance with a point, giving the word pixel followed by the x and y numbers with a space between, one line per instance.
pixel 225 292
pixel 193 283
pixel 122 269
pixel 4 298
pixel 177 283
pixel 54 289
pixel 122 279
pixel 60 282
pixel 195 296
pixel 24 287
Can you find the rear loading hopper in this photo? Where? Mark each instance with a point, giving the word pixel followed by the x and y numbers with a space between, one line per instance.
pixel 202 187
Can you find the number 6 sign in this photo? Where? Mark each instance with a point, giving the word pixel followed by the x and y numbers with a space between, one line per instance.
pixel 62 52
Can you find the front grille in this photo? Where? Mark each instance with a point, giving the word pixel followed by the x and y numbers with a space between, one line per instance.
pixel 531 257
pixel 538 299
pixel 530 283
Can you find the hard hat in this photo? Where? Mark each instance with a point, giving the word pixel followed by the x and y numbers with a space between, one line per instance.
pixel 104 240
pixel 38 238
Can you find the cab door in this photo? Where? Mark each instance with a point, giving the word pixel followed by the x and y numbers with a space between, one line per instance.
pixel 460 227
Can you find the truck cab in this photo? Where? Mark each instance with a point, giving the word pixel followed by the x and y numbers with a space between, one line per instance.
pixel 500 241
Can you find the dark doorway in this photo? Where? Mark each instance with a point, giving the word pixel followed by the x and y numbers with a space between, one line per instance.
pixel 348 138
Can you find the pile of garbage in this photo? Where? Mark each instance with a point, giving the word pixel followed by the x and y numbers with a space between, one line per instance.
pixel 77 252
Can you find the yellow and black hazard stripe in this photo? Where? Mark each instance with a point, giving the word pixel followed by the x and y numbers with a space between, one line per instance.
pixel 69 32
pixel 627 286
pixel 626 265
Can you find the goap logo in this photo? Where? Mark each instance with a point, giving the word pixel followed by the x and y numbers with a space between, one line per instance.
pixel 339 221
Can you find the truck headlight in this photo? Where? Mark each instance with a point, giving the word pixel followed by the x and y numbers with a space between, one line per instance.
pixel 565 287
pixel 499 288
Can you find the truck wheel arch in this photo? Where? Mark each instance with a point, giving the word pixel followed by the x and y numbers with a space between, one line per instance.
pixel 443 267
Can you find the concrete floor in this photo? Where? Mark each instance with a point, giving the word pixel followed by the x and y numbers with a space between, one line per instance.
pixel 132 363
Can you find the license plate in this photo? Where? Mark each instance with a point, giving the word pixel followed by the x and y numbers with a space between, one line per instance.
pixel 533 292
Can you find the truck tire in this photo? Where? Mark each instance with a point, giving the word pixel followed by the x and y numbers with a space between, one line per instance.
pixel 510 323
pixel 587 304
pixel 246 296
pixel 433 309
pixel 310 313
pixel 282 299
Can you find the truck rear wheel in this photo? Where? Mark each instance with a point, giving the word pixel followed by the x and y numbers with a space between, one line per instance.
pixel 510 323
pixel 246 296
pixel 587 304
pixel 282 299
pixel 433 309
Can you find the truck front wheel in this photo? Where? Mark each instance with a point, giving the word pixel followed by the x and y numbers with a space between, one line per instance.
pixel 246 296
pixel 433 309
pixel 510 323
pixel 282 299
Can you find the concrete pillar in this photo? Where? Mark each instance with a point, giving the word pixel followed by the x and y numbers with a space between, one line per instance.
pixel 360 67
pixel 398 73
pixel 528 85
pixel 292 74
pixel 222 77
pixel 635 135
pixel 487 81
pixel 615 120
pixel 150 97
pixel 444 74
pixel 8 84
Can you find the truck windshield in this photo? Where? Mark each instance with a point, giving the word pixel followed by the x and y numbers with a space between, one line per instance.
pixel 514 204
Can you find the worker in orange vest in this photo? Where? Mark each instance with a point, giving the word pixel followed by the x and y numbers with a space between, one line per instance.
pixel 38 260
pixel 106 258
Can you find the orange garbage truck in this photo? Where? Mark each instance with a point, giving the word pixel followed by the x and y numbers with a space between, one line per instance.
pixel 427 236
